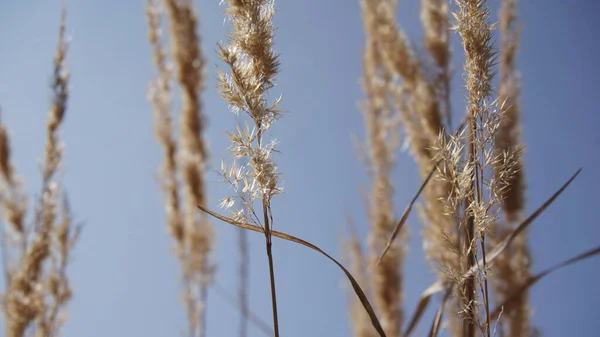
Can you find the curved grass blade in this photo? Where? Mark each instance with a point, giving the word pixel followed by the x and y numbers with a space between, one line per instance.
pixel 414 199
pixel 439 286
pixel 522 227
pixel 534 279
pixel 437 321
pixel 357 289
pixel 424 303
pixel 406 213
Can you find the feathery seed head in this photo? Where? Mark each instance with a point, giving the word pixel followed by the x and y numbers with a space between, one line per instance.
pixel 253 66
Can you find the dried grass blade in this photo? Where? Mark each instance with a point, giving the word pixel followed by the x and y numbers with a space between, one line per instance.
pixel 523 226
pixel 534 279
pixel 439 286
pixel 414 199
pixel 406 214
pixel 435 326
pixel 424 303
pixel 357 289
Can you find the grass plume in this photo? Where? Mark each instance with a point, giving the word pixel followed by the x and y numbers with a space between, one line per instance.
pixel 382 123
pixel 35 256
pixel 184 156
pixel 253 66
pixel 471 198
pixel 513 269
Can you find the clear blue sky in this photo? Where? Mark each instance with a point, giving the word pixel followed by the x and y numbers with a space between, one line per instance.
pixel 126 281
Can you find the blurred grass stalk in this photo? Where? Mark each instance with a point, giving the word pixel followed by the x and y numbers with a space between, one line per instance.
pixel 35 255
pixel 185 154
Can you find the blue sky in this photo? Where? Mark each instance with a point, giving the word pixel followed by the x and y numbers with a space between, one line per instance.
pixel 127 282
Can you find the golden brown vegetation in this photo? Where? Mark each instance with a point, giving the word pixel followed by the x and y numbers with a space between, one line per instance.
pixel 35 255
pixel 381 121
pixel 253 66
pixel 471 198
pixel 477 171
pixel 471 176
pixel 185 156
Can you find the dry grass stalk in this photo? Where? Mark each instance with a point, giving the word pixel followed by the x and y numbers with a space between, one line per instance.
pixel 475 32
pixel 481 202
pixel 422 100
pixel 417 100
pixel 189 68
pixel 37 288
pixel 14 205
pixel 454 208
pixel 461 205
pixel 508 137
pixel 513 268
pixel 187 155
pixel 436 37
pixel 253 66
pixel 382 123
pixel 442 234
